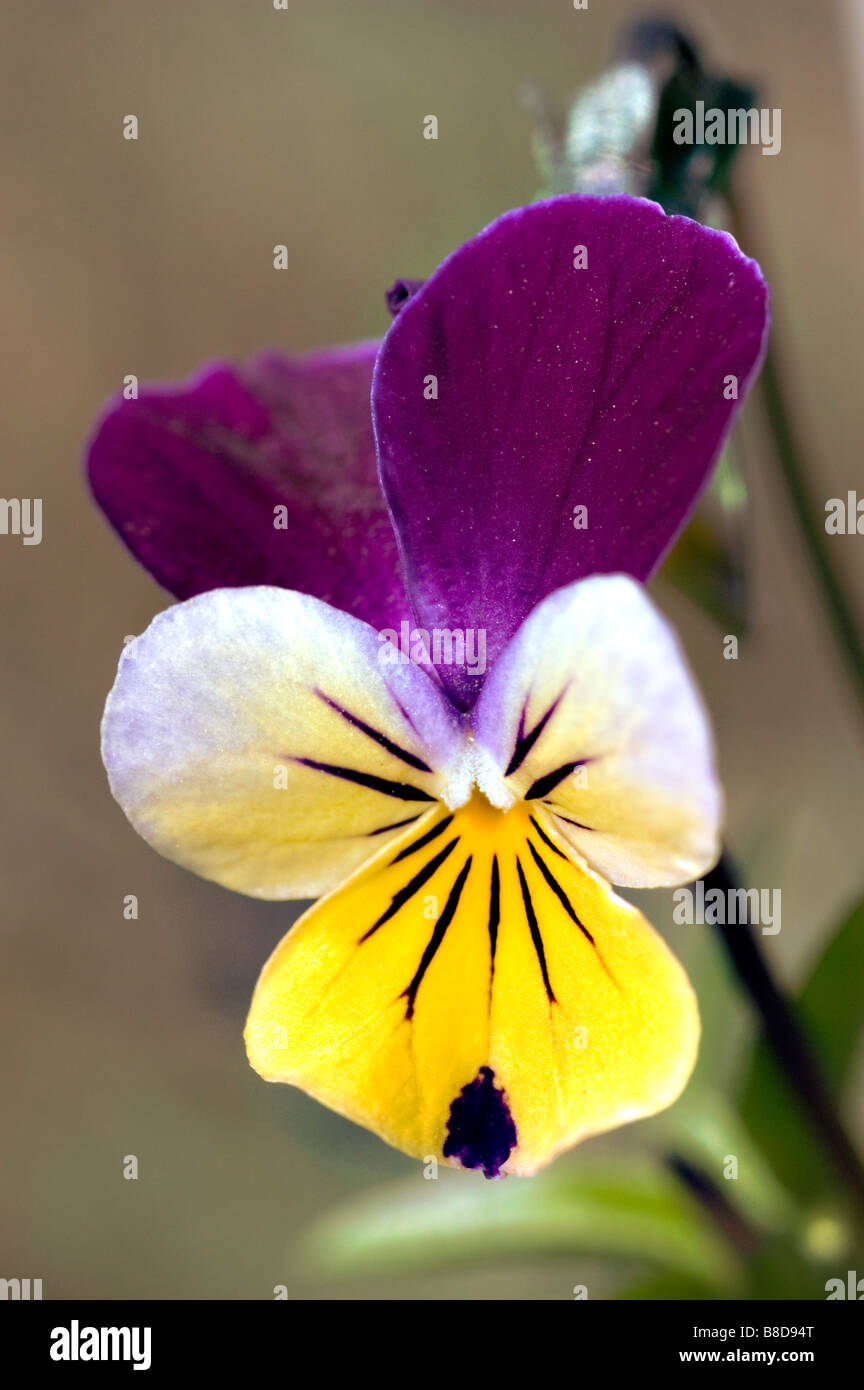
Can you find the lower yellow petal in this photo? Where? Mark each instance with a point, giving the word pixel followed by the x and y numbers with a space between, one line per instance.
pixel 476 994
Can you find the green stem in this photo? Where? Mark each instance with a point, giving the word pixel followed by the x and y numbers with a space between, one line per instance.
pixel 792 1049
pixel 794 475
pixel 741 1235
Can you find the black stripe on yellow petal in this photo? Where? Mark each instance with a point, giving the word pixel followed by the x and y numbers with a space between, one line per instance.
pixel 545 838
pixel 559 891
pixel 403 791
pixel 563 898
pixel 396 825
pixel 436 938
pixel 580 825
pixel 423 841
pixel 413 886
pixel 494 915
pixel 387 743
pixel 544 785
pixel 525 742
pixel 535 931
pixel 481 1024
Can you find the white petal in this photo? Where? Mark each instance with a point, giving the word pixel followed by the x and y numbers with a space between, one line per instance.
pixel 596 674
pixel 217 705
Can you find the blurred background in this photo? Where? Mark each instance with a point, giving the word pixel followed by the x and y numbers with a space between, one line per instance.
pixel 304 127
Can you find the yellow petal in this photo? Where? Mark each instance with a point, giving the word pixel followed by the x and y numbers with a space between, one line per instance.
pixel 475 994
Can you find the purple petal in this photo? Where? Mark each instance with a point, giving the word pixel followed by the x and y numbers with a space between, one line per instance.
pixel 191 476
pixel 557 388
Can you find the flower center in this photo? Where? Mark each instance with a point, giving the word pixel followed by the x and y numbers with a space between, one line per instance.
pixel 475 772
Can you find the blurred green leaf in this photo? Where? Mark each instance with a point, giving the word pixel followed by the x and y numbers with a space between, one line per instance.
pixel 619 1208
pixel 785 1269
pixel 831 1010
pixel 659 1288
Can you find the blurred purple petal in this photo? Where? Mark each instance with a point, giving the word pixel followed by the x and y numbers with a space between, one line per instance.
pixel 191 474
pixel 513 388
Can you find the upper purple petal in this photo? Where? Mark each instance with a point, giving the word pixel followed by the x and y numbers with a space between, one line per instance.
pixel 558 387
pixel 190 475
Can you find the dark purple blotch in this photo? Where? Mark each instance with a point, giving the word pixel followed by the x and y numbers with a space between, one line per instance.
pixel 480 1131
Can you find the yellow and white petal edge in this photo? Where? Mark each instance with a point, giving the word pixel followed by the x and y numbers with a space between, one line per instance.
pixel 476 994
pixel 592 712
pixel 254 736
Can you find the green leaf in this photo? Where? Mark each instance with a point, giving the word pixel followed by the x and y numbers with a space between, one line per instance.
pixel 619 1208
pixel 831 1010
pixel 660 1288
pixel 784 1269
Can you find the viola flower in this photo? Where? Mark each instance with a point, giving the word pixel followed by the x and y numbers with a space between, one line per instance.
pixel 469 985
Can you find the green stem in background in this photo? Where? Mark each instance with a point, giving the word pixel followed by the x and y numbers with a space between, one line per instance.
pixel 742 1236
pixel 791 1048
pixel 793 472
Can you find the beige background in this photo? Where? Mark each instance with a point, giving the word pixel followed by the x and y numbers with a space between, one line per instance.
pixel 304 127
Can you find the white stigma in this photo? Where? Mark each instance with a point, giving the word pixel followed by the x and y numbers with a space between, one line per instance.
pixel 475 767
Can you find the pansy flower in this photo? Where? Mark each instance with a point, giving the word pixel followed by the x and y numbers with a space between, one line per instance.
pixel 416 673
